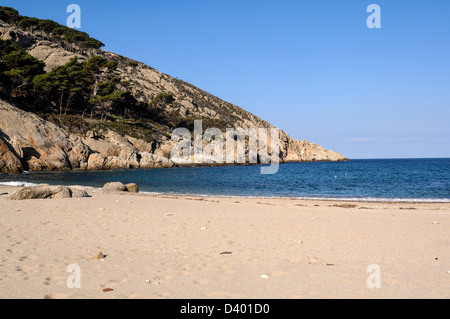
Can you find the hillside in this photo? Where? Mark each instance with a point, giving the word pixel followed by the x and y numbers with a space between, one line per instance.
pixel 121 112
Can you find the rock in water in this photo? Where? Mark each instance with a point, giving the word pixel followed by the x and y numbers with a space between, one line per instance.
pixel 114 187
pixel 132 188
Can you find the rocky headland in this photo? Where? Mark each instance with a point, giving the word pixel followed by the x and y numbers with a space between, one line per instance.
pixel 43 126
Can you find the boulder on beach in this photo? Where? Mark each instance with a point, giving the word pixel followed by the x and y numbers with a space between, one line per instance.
pixel 132 188
pixel 120 187
pixel 43 191
pixel 114 187
pixel 77 193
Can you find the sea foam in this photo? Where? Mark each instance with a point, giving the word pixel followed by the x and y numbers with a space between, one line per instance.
pixel 17 183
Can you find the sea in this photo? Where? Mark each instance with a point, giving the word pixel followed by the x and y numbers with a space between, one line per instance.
pixel 419 180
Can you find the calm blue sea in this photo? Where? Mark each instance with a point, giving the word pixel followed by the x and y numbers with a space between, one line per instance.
pixel 376 179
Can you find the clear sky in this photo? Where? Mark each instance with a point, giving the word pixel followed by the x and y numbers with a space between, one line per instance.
pixel 312 68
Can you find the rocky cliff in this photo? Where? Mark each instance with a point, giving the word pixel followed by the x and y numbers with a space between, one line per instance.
pixel 28 142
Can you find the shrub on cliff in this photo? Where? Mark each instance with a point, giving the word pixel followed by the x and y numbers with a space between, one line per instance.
pixel 162 99
pixel 9 15
pixel 50 27
pixel 17 68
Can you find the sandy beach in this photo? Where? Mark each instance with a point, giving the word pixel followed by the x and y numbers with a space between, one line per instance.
pixel 158 246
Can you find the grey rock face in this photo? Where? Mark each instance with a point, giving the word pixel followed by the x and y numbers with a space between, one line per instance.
pixel 114 187
pixel 40 145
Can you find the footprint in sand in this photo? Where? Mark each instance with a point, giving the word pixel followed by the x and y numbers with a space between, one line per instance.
pixel 47 281
pixel 118 281
pixel 202 281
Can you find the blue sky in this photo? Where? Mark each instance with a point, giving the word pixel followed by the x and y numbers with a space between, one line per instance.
pixel 312 68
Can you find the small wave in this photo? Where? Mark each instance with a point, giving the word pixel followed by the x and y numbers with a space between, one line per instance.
pixel 19 184
pixel 348 199
pixel 380 199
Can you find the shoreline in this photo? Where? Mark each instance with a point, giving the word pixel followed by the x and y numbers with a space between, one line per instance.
pixel 331 199
pixel 311 199
pixel 6 190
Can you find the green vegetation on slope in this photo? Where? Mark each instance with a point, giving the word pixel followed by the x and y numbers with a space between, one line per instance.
pixel 89 95
pixel 78 95
pixel 17 68
pixel 56 30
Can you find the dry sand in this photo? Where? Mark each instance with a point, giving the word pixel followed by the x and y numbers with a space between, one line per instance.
pixel 188 247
